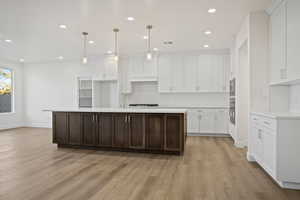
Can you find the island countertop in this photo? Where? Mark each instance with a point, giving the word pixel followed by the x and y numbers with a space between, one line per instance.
pixel 116 110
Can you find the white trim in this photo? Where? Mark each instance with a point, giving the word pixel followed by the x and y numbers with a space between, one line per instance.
pixel 38 124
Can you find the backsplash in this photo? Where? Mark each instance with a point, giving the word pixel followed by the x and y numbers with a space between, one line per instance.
pixel 295 98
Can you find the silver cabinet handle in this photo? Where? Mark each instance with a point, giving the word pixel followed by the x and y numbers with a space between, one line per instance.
pixel 267 123
pixel 129 119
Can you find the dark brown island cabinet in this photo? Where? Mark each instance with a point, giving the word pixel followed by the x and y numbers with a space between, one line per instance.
pixel 140 132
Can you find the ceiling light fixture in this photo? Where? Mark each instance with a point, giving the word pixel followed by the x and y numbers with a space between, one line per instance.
pixel 84 57
pixel 62 26
pixel 116 56
pixel 60 57
pixel 130 18
pixel 149 54
pixel 8 41
pixel 207 32
pixel 145 37
pixel 155 49
pixel 91 42
pixel 109 52
pixel 22 60
pixel 206 46
pixel 212 10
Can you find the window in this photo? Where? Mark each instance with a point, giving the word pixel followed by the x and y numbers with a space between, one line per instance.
pixel 5 90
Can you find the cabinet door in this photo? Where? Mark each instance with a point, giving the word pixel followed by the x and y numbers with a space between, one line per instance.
pixel 173 132
pixel 204 73
pixel 193 121
pixel 217 79
pixel 75 135
pixel 89 129
pixel 278 44
pixel 221 121
pixel 155 131
pixel 124 71
pixel 190 64
pixel 269 150
pixel 136 131
pixel 150 68
pixel 110 68
pixel 177 74
pixel 207 122
pixel 106 129
pixel 164 74
pixel 60 127
pixel 120 137
pixel 293 42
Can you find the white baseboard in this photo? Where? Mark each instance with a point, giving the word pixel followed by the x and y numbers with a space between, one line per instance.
pixel 250 158
pixel 11 126
pixel 209 134
pixel 38 124
pixel 240 143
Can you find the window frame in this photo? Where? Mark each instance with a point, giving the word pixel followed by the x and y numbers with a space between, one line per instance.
pixel 12 93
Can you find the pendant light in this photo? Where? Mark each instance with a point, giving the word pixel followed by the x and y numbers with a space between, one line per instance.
pixel 84 57
pixel 149 54
pixel 116 56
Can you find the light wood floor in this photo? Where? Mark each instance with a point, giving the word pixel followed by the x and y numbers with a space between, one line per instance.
pixel 31 167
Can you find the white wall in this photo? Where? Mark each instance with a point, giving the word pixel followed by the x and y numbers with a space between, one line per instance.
pixel 15 119
pixel 52 85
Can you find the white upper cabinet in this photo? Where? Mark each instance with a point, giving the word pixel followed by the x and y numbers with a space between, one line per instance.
pixel 164 77
pixel 293 41
pixel 124 76
pixel 141 69
pixel 278 44
pixel 193 73
pixel 108 70
pixel 285 43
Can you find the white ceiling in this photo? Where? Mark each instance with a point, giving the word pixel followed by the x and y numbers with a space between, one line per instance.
pixel 32 25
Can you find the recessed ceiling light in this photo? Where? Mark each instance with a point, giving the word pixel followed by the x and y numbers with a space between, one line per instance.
pixel 155 49
pixel 207 32
pixel 60 57
pixel 212 10
pixel 8 41
pixel 145 37
pixel 206 46
pixel 109 52
pixel 21 60
pixel 63 26
pixel 91 42
pixel 130 18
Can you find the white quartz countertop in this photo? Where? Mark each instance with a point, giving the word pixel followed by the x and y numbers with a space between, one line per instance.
pixel 117 110
pixel 284 115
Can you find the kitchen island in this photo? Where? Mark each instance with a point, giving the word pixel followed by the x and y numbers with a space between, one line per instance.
pixel 122 129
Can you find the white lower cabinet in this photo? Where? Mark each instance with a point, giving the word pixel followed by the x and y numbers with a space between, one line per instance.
pixel 207 121
pixel 274 143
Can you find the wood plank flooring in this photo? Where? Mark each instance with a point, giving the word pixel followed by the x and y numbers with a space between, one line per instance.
pixel 32 168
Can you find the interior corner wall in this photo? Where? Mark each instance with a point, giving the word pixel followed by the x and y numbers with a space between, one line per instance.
pixel 14 119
